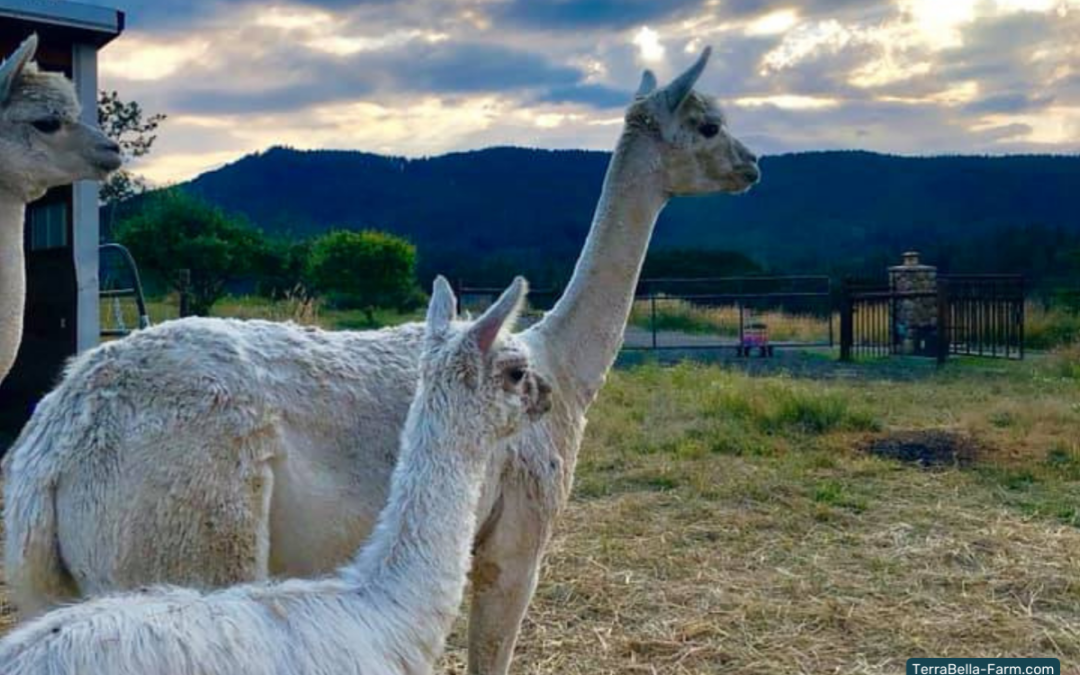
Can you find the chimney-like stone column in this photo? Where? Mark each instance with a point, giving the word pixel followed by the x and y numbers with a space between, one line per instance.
pixel 916 317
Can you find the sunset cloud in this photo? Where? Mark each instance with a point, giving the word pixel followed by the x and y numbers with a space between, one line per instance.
pixel 417 77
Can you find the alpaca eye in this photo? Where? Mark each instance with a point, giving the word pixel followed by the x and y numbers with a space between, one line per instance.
pixel 708 130
pixel 49 125
pixel 517 375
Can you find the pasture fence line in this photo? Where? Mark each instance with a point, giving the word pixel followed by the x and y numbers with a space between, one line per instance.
pixel 749 314
pixel 968 315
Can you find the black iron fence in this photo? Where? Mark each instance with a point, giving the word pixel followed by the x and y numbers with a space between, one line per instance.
pixel 965 315
pixel 985 315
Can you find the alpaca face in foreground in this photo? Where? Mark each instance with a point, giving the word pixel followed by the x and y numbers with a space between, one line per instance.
pixel 42 142
pixel 495 386
pixel 387 613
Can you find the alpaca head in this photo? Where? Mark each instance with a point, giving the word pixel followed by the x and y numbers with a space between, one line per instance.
pixel 479 373
pixel 42 142
pixel 698 152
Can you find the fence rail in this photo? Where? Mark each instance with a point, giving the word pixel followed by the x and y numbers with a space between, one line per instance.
pixel 973 315
pixel 716 313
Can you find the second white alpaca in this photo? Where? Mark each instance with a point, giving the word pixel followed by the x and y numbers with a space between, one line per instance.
pixel 42 144
pixel 386 613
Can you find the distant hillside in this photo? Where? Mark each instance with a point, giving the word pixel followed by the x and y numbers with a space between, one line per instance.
pixel 490 212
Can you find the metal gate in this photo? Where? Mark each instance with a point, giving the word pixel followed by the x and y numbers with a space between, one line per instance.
pixel 122 303
pixel 984 315
pixel 971 315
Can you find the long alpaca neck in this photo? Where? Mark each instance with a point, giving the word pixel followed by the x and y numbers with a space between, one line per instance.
pixel 416 562
pixel 584 331
pixel 12 279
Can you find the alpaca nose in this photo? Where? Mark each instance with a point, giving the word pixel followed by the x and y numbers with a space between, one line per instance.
pixel 110 145
pixel 749 172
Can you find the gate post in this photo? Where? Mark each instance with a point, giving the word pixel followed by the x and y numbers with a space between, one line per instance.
pixel 185 293
pixel 847 322
pixel 1023 315
pixel 944 326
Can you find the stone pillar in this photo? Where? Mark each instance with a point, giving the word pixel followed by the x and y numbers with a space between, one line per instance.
pixel 915 322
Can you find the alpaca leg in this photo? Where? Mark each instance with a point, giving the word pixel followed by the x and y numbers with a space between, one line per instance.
pixel 506 565
pixel 203 522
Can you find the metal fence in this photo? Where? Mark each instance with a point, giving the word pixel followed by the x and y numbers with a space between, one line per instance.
pixel 744 314
pixel 985 315
pixel 972 315
pixel 965 315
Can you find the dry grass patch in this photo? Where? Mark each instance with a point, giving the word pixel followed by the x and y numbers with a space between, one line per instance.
pixel 673 314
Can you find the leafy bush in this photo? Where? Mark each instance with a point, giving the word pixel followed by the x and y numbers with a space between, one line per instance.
pixel 281 269
pixel 364 270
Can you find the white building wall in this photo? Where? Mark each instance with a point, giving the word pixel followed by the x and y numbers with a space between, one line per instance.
pixel 86 226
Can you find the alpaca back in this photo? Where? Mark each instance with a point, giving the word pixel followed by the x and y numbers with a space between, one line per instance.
pixel 211 405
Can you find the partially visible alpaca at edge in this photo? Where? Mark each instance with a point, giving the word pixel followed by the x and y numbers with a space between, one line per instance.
pixel 210 451
pixel 42 145
pixel 390 610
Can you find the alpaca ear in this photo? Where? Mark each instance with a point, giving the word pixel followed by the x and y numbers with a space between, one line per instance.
pixel 647 86
pixel 442 310
pixel 502 314
pixel 14 65
pixel 675 93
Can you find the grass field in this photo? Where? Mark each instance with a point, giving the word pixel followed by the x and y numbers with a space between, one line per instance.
pixel 726 523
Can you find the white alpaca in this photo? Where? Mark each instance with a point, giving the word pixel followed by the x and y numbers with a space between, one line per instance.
pixel 205 452
pixel 389 611
pixel 42 144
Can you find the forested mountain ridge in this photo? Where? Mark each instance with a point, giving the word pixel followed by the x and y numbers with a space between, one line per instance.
pixel 486 213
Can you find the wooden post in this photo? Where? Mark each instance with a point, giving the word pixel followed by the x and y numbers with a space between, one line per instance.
pixel 185 293
pixel 1023 315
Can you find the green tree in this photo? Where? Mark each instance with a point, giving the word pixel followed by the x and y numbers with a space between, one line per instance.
pixel 175 231
pixel 134 130
pixel 364 270
pixel 282 266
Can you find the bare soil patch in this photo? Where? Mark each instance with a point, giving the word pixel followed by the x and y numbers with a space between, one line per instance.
pixel 931 448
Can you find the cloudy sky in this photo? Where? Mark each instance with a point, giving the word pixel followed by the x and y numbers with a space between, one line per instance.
pixel 422 77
